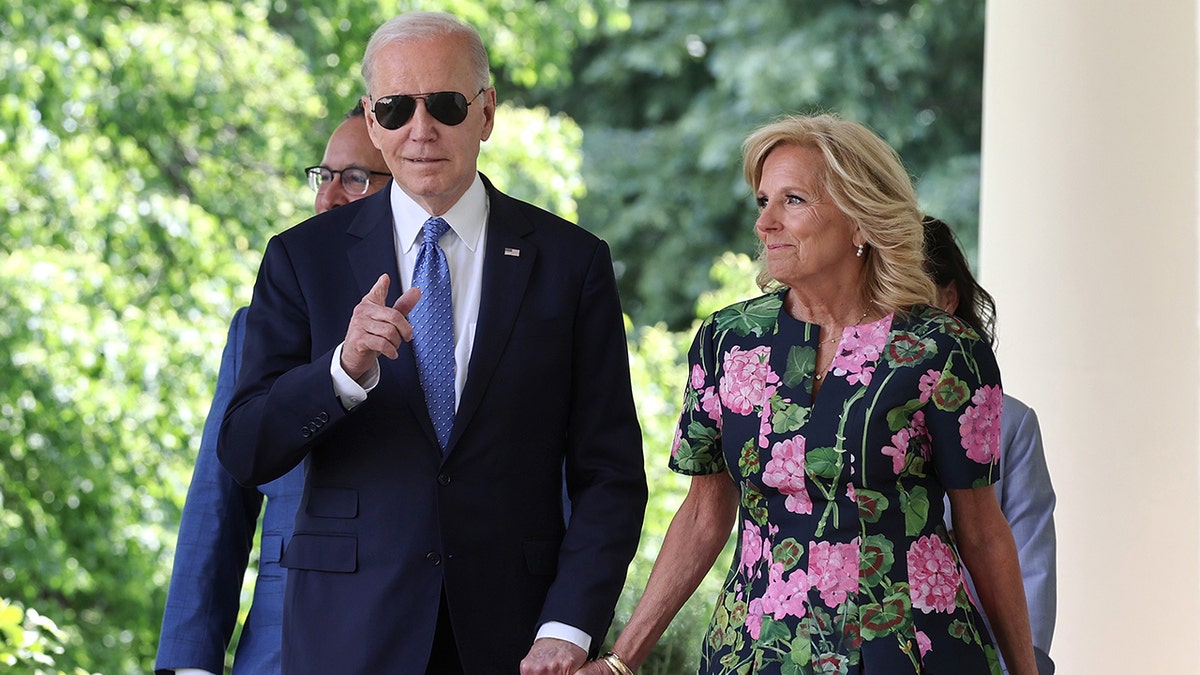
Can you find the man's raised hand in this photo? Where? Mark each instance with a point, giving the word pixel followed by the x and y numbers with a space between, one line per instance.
pixel 376 328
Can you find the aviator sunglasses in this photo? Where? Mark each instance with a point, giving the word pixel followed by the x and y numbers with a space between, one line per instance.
pixel 447 107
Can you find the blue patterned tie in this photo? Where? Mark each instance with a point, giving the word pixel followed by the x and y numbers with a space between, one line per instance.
pixel 433 329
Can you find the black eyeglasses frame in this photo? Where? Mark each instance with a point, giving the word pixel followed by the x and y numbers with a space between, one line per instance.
pixel 312 172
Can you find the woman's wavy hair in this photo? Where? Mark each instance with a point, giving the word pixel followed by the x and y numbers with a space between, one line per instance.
pixel 946 264
pixel 867 181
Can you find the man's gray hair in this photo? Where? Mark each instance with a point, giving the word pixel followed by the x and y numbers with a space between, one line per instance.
pixel 425 25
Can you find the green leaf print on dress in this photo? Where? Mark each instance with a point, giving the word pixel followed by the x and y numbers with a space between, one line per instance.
pixel 842 563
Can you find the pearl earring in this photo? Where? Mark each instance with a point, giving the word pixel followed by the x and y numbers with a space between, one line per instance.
pixel 860 251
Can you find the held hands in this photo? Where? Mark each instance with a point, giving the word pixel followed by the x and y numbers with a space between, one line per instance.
pixel 376 328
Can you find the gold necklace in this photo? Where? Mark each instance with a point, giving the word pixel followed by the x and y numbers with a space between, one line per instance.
pixel 838 337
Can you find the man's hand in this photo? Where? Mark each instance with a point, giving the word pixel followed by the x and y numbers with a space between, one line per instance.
pixel 376 328
pixel 550 656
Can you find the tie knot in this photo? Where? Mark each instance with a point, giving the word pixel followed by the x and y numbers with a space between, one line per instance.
pixel 434 229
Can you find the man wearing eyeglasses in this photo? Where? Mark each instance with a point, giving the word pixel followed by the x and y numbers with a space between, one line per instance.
pixel 216 532
pixel 430 536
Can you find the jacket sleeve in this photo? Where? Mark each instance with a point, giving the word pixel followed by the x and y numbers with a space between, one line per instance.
pixel 216 534
pixel 284 400
pixel 1028 504
pixel 605 471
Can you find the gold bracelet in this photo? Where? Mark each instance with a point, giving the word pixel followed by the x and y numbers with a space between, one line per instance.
pixel 615 664
pixel 611 668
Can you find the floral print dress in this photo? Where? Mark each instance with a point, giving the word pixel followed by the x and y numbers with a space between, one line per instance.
pixel 843 563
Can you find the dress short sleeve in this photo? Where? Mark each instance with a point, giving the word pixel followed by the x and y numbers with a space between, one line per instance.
pixel 696 449
pixel 963 405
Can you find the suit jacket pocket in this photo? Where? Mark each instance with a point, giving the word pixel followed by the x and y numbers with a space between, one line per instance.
pixel 269 556
pixel 541 556
pixel 332 502
pixel 321 552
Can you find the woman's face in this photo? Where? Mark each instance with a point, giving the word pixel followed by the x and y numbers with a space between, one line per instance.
pixel 805 235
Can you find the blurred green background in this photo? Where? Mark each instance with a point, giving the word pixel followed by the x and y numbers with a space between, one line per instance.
pixel 149 147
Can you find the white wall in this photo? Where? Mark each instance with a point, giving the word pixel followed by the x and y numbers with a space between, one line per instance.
pixel 1089 241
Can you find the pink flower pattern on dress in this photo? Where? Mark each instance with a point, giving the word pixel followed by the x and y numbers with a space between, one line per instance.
pixel 861 345
pixel 785 596
pixel 748 382
pixel 933 575
pixel 753 546
pixel 903 440
pixel 801 592
pixel 980 425
pixel 764 426
pixel 923 643
pixel 785 472
pixel 927 383
pixel 833 570
pixel 711 404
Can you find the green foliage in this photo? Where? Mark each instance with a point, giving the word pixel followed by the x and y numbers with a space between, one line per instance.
pixel 150 153
pixel 29 642
pixel 670 100
pixel 536 156
pixel 152 146
pixel 150 149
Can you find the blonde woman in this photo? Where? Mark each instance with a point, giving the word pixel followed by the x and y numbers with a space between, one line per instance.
pixel 827 419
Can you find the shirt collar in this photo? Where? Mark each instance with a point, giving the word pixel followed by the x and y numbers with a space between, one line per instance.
pixel 466 218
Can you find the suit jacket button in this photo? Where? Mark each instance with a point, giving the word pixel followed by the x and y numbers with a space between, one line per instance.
pixel 305 431
pixel 324 416
pixel 433 558
pixel 443 479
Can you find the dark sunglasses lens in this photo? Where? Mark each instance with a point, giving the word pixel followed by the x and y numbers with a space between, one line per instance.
pixel 393 112
pixel 447 107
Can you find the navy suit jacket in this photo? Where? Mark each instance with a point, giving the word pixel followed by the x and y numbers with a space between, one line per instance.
pixel 216 534
pixel 386 521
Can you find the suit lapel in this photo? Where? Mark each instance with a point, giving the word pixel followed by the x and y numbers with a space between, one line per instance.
pixel 371 252
pixel 508 262
pixel 372 249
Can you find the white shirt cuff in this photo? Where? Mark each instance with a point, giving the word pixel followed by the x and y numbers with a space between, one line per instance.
pixel 561 631
pixel 349 392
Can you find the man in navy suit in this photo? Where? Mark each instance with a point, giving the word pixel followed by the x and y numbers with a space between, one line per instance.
pixel 216 532
pixel 410 555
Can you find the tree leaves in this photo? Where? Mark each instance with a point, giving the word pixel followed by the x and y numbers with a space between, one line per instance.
pixel 671 99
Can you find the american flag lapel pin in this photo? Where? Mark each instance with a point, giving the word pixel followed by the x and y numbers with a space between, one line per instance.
pixel 514 252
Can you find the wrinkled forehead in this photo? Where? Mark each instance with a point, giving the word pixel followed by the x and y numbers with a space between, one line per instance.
pixel 422 66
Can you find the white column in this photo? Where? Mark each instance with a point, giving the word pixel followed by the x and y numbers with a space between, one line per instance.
pixel 1089 241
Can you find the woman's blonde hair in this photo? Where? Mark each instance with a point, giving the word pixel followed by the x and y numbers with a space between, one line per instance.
pixel 867 181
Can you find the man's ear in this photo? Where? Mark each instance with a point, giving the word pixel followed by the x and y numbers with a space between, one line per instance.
pixel 372 124
pixel 489 113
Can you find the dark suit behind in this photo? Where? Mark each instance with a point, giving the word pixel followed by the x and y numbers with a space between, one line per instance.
pixel 385 522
